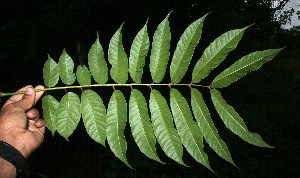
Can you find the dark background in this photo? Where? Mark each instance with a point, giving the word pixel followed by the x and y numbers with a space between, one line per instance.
pixel 267 99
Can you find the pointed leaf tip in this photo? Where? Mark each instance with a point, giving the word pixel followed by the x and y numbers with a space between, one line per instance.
pixel 66 68
pixel 185 49
pixel 160 51
pixel 243 66
pixel 163 126
pixel 215 53
pixel 116 122
pixel 138 53
pixel 94 116
pixel 187 128
pixel 233 120
pixel 117 58
pixel 50 105
pixel 208 129
pixel 50 72
pixel 97 64
pixel 141 127
pixel 68 114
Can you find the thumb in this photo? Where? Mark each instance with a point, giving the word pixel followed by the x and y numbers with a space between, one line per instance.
pixel 27 100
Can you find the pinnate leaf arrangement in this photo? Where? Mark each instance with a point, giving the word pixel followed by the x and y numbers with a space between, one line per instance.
pixel 174 124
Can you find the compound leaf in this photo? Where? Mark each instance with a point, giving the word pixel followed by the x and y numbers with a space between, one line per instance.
pixel 116 122
pixel 185 49
pixel 68 114
pixel 66 67
pixel 94 115
pixel 118 58
pixel 240 68
pixel 138 53
pixel 83 75
pixel 50 72
pixel 207 126
pixel 187 128
pixel 97 63
pixel 233 120
pixel 140 124
pixel 163 126
pixel 216 52
pixel 64 116
pixel 50 105
pixel 160 51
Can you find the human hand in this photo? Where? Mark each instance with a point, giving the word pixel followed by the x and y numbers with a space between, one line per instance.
pixel 20 125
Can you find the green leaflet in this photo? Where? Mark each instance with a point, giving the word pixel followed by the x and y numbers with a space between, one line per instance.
pixel 207 126
pixel 94 115
pixel 240 68
pixel 50 72
pixel 83 75
pixel 187 128
pixel 141 127
pixel 185 49
pixel 68 114
pixel 117 58
pixel 233 121
pixel 164 130
pixel 66 67
pixel 50 105
pixel 97 63
pixel 138 53
pixel 216 52
pixel 116 122
pixel 160 51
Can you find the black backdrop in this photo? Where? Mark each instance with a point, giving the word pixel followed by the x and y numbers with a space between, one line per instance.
pixel 266 99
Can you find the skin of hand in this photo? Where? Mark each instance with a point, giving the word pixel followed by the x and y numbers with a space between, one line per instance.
pixel 20 125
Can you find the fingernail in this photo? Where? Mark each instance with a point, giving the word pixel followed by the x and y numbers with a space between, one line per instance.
pixel 28 91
